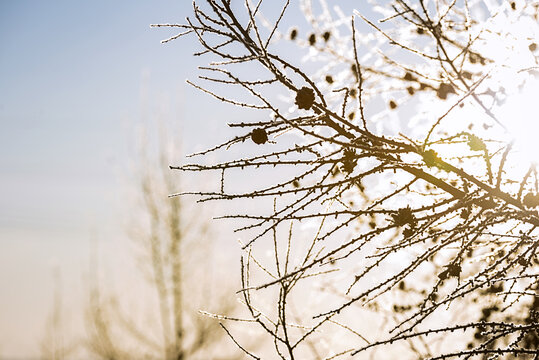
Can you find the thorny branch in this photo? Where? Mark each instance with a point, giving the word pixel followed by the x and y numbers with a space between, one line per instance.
pixel 447 201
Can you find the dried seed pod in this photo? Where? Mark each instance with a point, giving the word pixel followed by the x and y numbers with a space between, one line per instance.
pixel 293 34
pixel 454 270
pixel 326 35
pixel 408 232
pixel 475 143
pixel 409 77
pixel 404 216
pixel 444 90
pixel 467 75
pixel 259 136
pixel 312 39
pixel 349 161
pixel 305 98
pixel 354 70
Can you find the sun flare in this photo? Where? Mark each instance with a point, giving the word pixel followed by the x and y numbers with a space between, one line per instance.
pixel 520 116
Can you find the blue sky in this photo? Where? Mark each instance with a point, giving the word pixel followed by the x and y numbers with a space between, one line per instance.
pixel 76 76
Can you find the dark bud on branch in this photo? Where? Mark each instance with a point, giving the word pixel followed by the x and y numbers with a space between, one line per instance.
pixel 452 270
pixel 475 143
pixel 305 98
pixel 259 136
pixel 404 216
pixel 409 77
pixel 444 90
pixel 467 75
pixel 293 34
pixel 408 232
pixel 349 161
pixel 312 39
pixel 354 71
pixel 326 36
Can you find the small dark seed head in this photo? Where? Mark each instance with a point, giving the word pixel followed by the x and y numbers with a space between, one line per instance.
pixel 259 136
pixel 408 232
pixel 354 70
pixel 467 75
pixel 293 34
pixel 312 39
pixel 444 90
pixel 349 160
pixel 409 77
pixel 326 35
pixel 475 143
pixel 454 270
pixel 404 216
pixel 305 98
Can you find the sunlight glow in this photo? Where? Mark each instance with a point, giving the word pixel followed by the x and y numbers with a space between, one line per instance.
pixel 520 116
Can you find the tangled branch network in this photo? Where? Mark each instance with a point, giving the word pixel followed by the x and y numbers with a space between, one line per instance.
pixel 396 134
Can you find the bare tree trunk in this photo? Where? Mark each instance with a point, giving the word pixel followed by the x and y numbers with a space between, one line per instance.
pixel 176 265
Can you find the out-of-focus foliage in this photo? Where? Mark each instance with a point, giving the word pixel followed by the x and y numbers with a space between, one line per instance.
pixel 174 242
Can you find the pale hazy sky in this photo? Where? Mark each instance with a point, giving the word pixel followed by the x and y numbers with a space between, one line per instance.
pixel 75 76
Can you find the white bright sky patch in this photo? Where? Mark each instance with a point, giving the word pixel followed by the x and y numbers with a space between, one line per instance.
pixel 520 115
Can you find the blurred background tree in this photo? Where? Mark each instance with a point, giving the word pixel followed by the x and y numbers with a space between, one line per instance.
pixel 160 319
pixel 57 344
pixel 175 242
